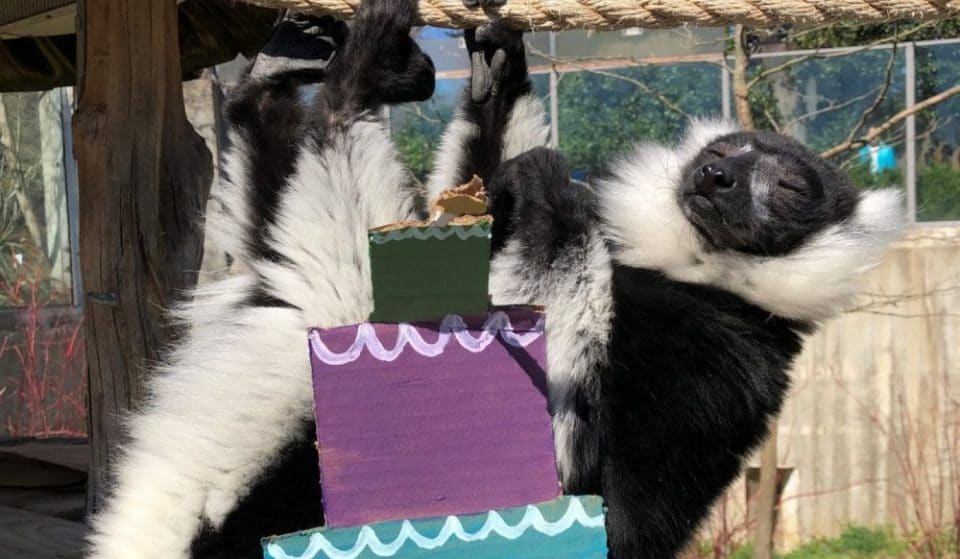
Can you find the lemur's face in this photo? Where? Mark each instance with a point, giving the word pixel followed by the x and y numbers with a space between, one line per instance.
pixel 762 193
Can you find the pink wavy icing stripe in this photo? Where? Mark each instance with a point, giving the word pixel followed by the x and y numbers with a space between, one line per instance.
pixel 452 327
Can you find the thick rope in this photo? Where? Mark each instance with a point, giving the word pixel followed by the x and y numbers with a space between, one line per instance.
pixel 618 14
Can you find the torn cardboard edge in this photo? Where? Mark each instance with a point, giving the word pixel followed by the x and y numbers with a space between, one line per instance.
pixel 463 206
pixel 462 221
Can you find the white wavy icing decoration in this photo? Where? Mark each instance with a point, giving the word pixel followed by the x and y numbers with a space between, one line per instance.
pixel 367 538
pixel 433 232
pixel 452 327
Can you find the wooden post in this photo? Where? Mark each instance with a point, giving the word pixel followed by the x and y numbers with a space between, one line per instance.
pixel 741 92
pixel 143 175
pixel 764 505
pixel 765 501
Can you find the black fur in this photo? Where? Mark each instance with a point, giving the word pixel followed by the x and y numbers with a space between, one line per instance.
pixel 691 377
pixel 285 500
pixel 499 77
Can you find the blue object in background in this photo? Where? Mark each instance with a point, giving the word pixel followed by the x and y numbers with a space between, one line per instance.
pixel 880 157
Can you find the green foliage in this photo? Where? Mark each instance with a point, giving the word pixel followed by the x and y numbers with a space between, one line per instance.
pixel 602 116
pixel 415 144
pixel 938 193
pixel 845 87
pixel 744 551
pixel 852 34
pixel 855 542
pixel 860 173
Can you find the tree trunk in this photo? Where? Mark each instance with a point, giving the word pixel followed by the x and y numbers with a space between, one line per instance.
pixel 764 505
pixel 12 165
pixel 143 175
pixel 57 234
pixel 765 501
pixel 741 93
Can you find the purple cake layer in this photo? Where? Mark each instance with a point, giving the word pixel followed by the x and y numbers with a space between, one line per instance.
pixel 432 419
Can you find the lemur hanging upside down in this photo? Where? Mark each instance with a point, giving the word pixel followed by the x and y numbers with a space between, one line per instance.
pixel 677 291
pixel 309 171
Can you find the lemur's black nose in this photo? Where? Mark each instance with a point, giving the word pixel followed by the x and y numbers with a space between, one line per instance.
pixel 711 177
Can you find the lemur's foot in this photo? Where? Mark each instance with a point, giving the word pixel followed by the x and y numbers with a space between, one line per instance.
pixel 301 45
pixel 381 60
pixel 497 56
pixel 484 3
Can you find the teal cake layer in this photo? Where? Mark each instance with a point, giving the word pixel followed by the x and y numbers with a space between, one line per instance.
pixel 565 528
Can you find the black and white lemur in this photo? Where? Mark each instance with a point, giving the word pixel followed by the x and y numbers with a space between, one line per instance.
pixel 677 291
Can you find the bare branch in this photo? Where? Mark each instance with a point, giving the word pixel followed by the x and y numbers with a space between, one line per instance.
pixel 816 54
pixel 660 97
pixel 831 106
pixel 881 95
pixel 878 131
pixel 741 90
pixel 780 68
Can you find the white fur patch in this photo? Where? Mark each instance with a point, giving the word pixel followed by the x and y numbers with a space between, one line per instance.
pixel 813 282
pixel 237 388
pixel 450 155
pixel 525 130
pixel 228 222
pixel 527 127
pixel 579 307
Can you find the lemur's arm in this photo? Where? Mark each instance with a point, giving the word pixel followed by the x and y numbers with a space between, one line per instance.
pixel 499 117
pixel 266 116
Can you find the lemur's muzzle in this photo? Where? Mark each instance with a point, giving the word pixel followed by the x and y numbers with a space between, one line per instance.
pixel 723 174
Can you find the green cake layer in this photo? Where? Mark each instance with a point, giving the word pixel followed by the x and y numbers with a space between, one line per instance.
pixel 426 272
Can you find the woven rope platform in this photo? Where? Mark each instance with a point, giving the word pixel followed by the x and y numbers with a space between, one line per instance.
pixel 618 14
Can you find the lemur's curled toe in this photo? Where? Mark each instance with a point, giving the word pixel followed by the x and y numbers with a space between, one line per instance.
pixel 497 58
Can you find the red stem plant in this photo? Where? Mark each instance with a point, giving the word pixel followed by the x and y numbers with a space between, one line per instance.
pixel 45 396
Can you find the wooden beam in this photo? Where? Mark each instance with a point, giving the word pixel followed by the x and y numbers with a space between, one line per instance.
pixel 17 471
pixel 71 453
pixel 26 534
pixel 143 175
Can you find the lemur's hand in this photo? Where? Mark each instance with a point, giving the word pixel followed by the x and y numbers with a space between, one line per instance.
pixel 497 56
pixel 300 47
pixel 381 62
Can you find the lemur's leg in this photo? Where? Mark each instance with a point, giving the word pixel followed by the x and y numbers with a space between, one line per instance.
pixel 236 390
pixel 500 115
